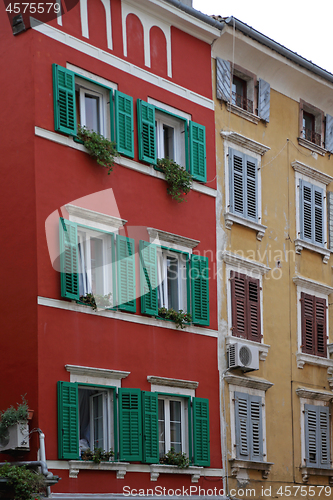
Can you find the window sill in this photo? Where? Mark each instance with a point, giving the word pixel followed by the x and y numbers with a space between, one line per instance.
pixel 310 359
pixel 237 465
pixel 230 219
pixel 76 465
pixel 243 113
pixel 312 146
pixel 301 244
pixel 313 471
pixel 157 469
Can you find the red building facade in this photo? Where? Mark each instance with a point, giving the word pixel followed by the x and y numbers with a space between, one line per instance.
pixel 114 374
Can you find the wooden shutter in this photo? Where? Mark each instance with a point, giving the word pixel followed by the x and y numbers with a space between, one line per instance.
pixel 148 278
pixel 312 213
pixel 264 100
pixel 150 427
pixel 324 436
pixel 253 309
pixel 317 436
pixel 242 426
pixel 126 273
pixel 130 425
pixel 200 290
pixel 124 123
pixel 305 190
pixel 307 313
pixel 146 132
pixel 68 421
pixel 237 174
pixel 201 443
pixel 68 259
pixel 223 79
pixel 256 438
pixel 251 188
pixel 329 133
pixel 198 151
pixel 239 304
pixel 320 327
pixel 64 100
pixel 318 215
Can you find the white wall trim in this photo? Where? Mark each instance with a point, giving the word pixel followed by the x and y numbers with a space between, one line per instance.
pixel 98 220
pixel 122 316
pixel 237 139
pixel 304 392
pixel 84 20
pixel 311 173
pixel 172 385
pixel 95 78
pixel 312 285
pixel 159 237
pixel 245 265
pixel 100 376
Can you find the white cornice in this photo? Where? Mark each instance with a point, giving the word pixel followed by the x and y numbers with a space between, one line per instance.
pixel 245 142
pixel 231 218
pixel 250 382
pixel 313 286
pixel 312 146
pixel 243 263
pixel 96 372
pixel 91 215
pixel 176 239
pixel 304 392
pixel 172 382
pixel 312 173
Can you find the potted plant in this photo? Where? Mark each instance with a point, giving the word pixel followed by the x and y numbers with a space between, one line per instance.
pixel 99 147
pixel 14 430
pixel 96 301
pixel 97 456
pixel 181 318
pixel 172 458
pixel 179 180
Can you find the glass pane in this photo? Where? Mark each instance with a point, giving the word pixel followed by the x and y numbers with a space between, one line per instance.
pixel 175 426
pixel 161 427
pixel 92 112
pixel 96 249
pixel 84 419
pixel 172 279
pixel 168 139
pixel 98 421
pixel 84 287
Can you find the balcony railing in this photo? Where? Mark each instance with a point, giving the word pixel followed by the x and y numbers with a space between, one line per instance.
pixel 312 136
pixel 242 102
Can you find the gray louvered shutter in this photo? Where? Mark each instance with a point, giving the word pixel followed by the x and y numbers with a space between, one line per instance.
pixel 264 100
pixel 236 169
pixel 256 437
pixel 329 195
pixel 223 79
pixel 329 133
pixel 251 188
pixel 324 436
pixel 242 422
pixel 311 436
pixel 318 215
pixel 305 190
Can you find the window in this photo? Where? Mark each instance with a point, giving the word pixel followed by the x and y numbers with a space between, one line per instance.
pixel 248 426
pixel 97 262
pixel 239 94
pixel 314 337
pixel 311 127
pixel 317 436
pixel 245 307
pixel 243 176
pixel 172 423
pixel 311 213
pixel 83 100
pixel 163 134
pixel 171 279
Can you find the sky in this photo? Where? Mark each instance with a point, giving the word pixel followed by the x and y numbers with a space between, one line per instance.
pixel 303 26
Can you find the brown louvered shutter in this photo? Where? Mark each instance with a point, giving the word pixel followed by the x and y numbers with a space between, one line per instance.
pixel 253 309
pixel 307 312
pixel 320 326
pixel 238 304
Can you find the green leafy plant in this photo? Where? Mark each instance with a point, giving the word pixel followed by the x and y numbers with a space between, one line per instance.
pixel 180 318
pixel 99 147
pixel 27 484
pixel 172 458
pixel 13 416
pixel 97 456
pixel 96 301
pixel 178 179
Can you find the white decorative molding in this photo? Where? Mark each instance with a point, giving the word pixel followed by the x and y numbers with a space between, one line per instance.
pixel 241 140
pixel 172 382
pixel 309 359
pixel 300 244
pixel 157 469
pixel 312 286
pixel 157 235
pixel 249 382
pixel 76 465
pixel 243 113
pixel 304 392
pixel 312 173
pixel 91 215
pixel 237 465
pixel 251 266
pixel 96 372
pixel 313 471
pixel 231 218
pixel 310 145
pixel 263 348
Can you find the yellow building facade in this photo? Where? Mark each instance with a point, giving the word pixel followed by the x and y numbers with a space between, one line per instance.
pixel 274 138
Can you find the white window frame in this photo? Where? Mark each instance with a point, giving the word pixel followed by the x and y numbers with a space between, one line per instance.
pixel 183 418
pixel 85 87
pixel 162 256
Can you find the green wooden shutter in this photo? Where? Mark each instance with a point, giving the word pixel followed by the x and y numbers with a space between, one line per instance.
pixel 146 132
pixel 200 290
pixel 68 259
pixel 124 123
pixel 130 425
pixel 198 151
pixel 148 278
pixel 126 273
pixel 64 100
pixel 201 452
pixel 150 427
pixel 68 421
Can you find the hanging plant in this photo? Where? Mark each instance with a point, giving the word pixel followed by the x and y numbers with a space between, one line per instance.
pixel 99 147
pixel 179 180
pixel 179 317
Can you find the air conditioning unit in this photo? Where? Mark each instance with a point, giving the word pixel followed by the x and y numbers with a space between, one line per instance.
pixel 243 356
pixel 16 438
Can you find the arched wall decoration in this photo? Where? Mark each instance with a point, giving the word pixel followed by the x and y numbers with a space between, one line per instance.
pixel 84 20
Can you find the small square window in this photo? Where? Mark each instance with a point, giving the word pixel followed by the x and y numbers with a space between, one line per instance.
pixel 172 424
pixel 172 279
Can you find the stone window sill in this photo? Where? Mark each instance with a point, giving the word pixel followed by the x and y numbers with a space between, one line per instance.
pixel 76 465
pixel 312 146
pixel 157 469
pixel 300 244
pixel 313 471
pixel 237 465
pixel 230 219
pixel 243 113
